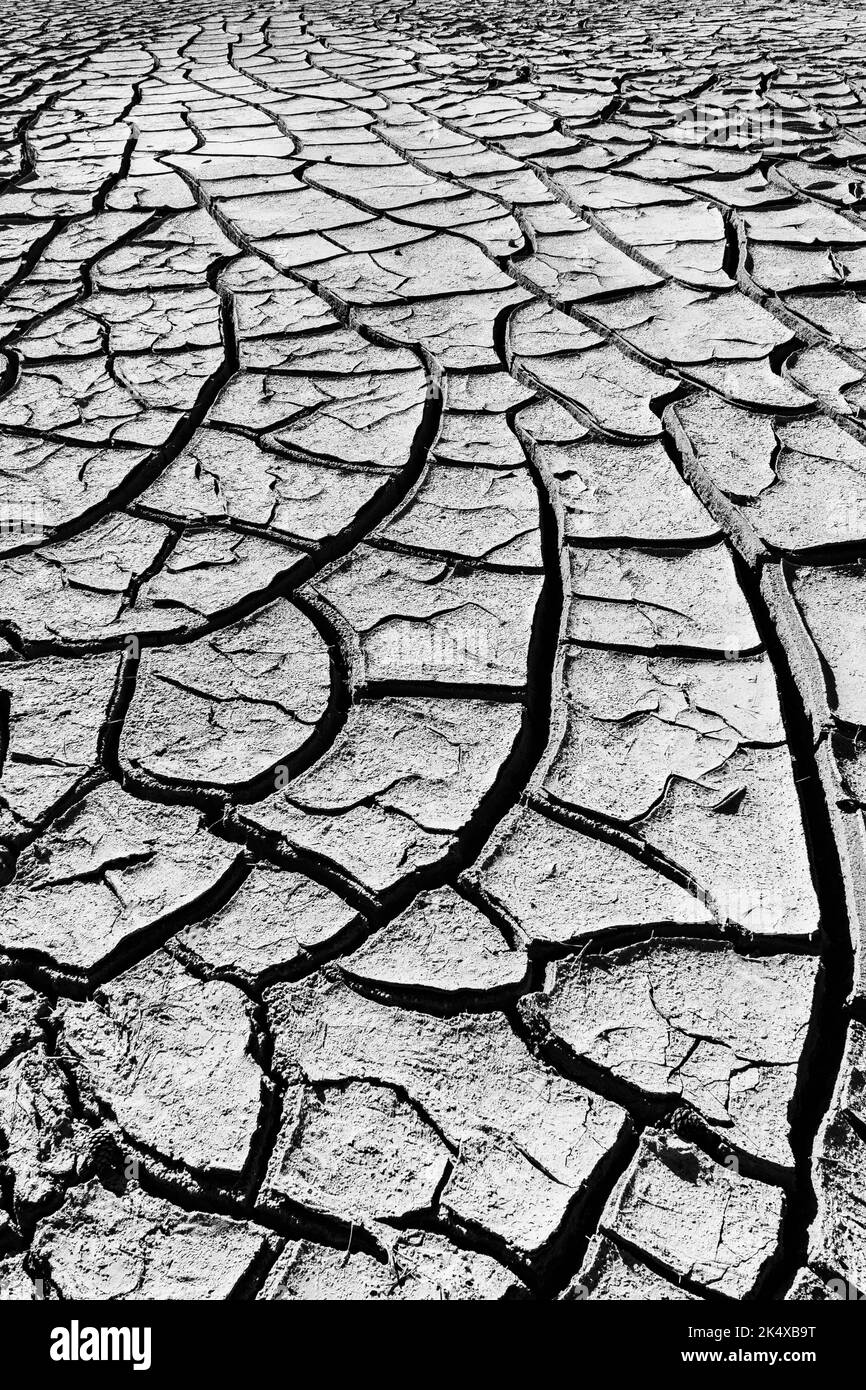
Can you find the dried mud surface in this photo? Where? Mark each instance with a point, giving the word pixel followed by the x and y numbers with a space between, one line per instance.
pixel 432 651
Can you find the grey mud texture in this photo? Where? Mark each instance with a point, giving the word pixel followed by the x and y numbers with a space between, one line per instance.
pixel 432 650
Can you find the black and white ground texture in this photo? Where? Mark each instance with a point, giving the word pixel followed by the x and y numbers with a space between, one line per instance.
pixel 432 650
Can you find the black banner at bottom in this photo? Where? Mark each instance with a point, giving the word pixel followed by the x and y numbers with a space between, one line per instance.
pixel 228 1340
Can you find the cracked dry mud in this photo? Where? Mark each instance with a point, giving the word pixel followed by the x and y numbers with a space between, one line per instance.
pixel 433 647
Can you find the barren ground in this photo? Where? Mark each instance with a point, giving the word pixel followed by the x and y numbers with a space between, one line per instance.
pixel 433 646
